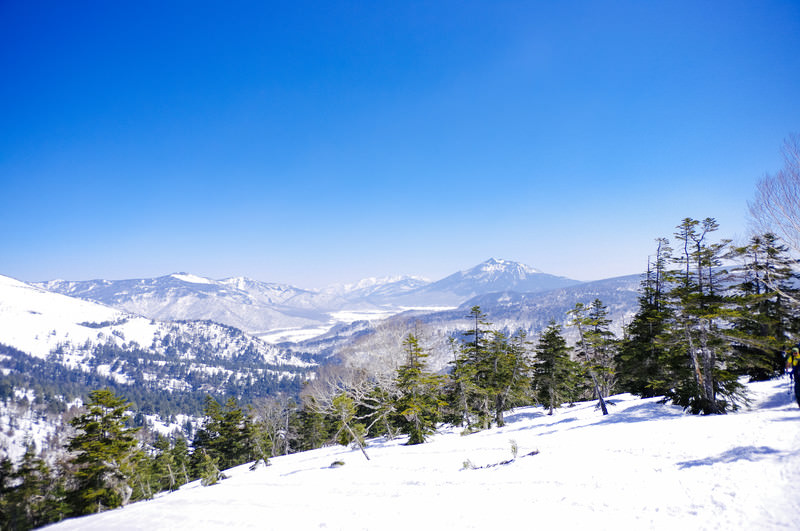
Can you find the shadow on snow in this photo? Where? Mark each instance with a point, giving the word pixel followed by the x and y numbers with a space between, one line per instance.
pixel 747 453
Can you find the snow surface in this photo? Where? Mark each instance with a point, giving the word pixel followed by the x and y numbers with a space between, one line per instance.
pixel 36 321
pixel 645 466
pixel 193 279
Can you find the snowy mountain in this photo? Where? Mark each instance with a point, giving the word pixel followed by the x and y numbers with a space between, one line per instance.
pixel 63 345
pixel 490 276
pixel 647 465
pixel 240 302
pixel 260 308
pixel 379 291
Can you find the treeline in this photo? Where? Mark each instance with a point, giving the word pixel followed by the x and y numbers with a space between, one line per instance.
pixel 709 314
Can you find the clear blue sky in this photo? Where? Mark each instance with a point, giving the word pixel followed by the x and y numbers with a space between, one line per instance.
pixel 316 142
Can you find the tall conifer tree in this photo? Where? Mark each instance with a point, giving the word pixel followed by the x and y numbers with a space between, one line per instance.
pixel 553 370
pixel 105 454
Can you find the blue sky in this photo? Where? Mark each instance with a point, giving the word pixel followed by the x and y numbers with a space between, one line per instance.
pixel 317 142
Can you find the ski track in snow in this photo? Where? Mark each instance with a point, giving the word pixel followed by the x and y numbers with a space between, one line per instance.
pixel 645 466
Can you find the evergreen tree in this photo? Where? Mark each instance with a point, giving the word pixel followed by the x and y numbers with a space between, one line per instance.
pixel 206 467
pixel 418 403
pixel 226 436
pixel 642 360
pixel 765 318
pixel 145 478
pixel 472 366
pixel 460 389
pixel 506 375
pixel 699 347
pixel 553 370
pixel 32 495
pixel 489 375
pixel 105 454
pixel 180 459
pixel 313 428
pixel 167 468
pixel 596 347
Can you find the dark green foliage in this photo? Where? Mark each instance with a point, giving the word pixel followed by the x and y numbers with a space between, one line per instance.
pixel 696 338
pixel 642 360
pixel 166 468
pixel 226 437
pixel 489 375
pixel 105 455
pixel 506 374
pixel 699 327
pixel 206 468
pixel 554 373
pixel 312 428
pixel 764 319
pixel 52 377
pixel 596 347
pixel 32 495
pixel 418 402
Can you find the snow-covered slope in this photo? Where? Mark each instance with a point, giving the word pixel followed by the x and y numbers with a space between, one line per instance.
pixel 379 291
pixel 645 466
pixel 240 302
pixel 36 321
pixel 54 341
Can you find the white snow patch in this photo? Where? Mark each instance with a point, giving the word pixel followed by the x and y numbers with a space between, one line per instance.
pixel 194 279
pixel 351 316
pixel 294 335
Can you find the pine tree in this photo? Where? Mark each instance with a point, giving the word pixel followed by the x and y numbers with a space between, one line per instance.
pixel 642 360
pixel 506 375
pixel 489 374
pixel 474 360
pixel 105 453
pixel 418 403
pixel 313 428
pixel 698 345
pixel 206 467
pixel 765 318
pixel 226 435
pixel 180 459
pixel 31 495
pixel 460 389
pixel 596 347
pixel 553 370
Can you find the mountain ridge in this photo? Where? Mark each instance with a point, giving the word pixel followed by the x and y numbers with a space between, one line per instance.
pixel 259 307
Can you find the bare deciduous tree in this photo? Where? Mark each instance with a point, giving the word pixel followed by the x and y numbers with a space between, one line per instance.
pixel 776 207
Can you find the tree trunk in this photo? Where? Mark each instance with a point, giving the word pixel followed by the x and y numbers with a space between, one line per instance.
pixel 599 394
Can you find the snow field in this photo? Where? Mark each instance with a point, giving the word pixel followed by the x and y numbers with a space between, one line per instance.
pixel 644 466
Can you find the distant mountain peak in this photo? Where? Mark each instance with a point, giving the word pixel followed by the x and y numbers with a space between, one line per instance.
pixel 498 267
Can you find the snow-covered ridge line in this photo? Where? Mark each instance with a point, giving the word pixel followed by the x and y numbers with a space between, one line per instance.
pixel 261 308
